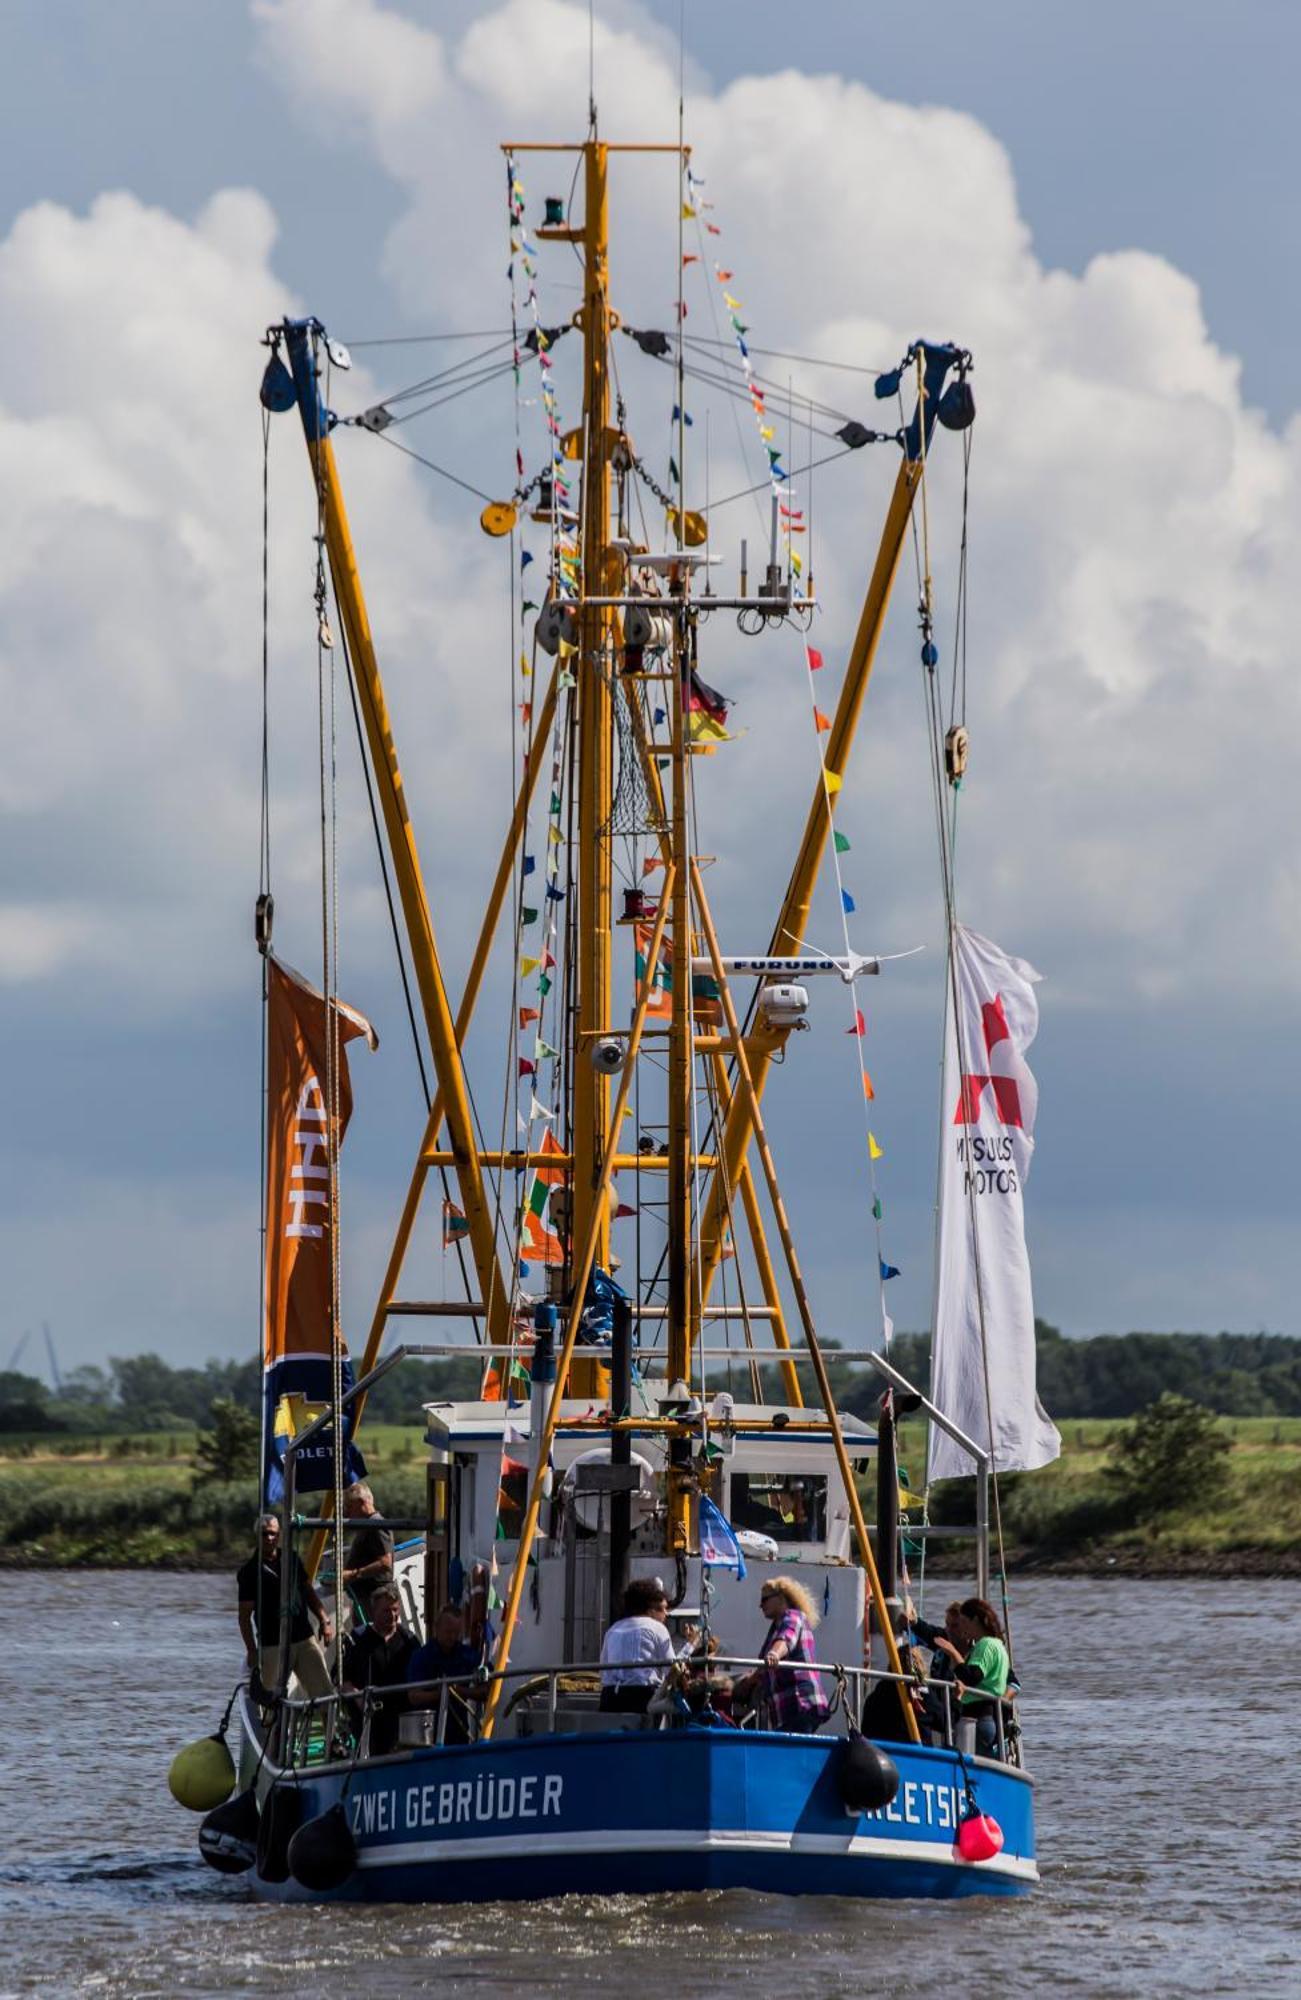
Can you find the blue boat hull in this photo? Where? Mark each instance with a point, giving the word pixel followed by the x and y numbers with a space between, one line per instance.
pixel 681 1809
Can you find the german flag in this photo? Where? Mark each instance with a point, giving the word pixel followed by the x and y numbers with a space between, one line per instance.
pixel 706 711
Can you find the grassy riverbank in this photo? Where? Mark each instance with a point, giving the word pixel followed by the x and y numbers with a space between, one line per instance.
pixel 134 1502
pixel 1072 1516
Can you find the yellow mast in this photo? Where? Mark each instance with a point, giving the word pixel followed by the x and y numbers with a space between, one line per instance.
pixel 591 1094
pixel 682 1321
pixel 301 339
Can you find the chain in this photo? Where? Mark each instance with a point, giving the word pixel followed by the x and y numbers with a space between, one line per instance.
pixel 648 479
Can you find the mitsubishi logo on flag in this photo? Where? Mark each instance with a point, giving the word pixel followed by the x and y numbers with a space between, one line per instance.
pixel 1006 1089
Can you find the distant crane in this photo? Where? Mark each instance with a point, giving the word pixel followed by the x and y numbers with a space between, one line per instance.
pixel 56 1374
pixel 17 1354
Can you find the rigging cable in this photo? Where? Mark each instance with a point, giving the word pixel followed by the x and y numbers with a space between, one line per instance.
pixel 427 339
pixel 441 470
pixel 328 774
pixel 265 908
pixel 921 552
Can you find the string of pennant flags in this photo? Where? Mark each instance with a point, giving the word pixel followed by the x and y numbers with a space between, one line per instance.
pixel 541 895
pixel 790 516
pixel 564 548
pixel 832 783
pixel 792 523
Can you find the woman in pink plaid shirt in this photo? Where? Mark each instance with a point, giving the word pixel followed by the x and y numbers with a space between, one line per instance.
pixel 794 1696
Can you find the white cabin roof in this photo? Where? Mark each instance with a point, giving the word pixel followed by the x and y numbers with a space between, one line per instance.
pixel 460 1426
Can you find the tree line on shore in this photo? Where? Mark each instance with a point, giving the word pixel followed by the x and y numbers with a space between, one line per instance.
pixel 1108 1375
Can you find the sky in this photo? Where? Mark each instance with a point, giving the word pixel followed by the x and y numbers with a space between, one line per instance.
pixel 1095 206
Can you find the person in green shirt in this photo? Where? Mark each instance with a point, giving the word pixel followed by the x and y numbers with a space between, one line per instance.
pixel 983 1666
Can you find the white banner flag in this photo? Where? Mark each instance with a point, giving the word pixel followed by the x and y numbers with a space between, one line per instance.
pixel 990 1099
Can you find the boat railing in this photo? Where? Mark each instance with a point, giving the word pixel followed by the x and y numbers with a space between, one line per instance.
pixel 331 1728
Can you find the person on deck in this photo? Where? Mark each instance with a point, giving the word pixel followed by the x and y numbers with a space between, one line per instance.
pixel 883 1717
pixel 370 1550
pixel 258 1587
pixel 636 1649
pixel 939 1713
pixel 449 1656
pixel 983 1667
pixel 793 1694
pixel 379 1656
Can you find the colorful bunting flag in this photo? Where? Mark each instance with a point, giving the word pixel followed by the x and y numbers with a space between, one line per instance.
pixel 860 1025
pixel 455 1224
pixel 842 845
pixel 874 1152
pixel 814 658
pixel 527 1014
pixel 888 1270
pixel 821 722
pixel 542 1242
pixel 660 1004
pixel 868 1091
pixel 847 903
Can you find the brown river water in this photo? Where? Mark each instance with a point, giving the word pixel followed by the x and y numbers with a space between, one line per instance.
pixel 1165 1804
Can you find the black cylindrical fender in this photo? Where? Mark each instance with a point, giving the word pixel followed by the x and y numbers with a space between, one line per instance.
pixel 228 1836
pixel 323 1853
pixel 282 1814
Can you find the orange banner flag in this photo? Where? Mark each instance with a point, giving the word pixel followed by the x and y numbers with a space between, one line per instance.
pixel 298 1217
pixel 298 1326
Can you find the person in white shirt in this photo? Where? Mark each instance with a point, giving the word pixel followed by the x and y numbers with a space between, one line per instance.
pixel 636 1649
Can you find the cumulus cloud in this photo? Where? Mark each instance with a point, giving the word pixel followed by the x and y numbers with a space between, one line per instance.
pixel 1133 694
pixel 1128 822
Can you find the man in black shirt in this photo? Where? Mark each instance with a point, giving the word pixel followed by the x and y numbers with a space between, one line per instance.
pixel 370 1551
pixel 378 1656
pixel 258 1584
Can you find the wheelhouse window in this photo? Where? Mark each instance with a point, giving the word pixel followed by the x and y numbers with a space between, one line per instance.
pixel 789 1506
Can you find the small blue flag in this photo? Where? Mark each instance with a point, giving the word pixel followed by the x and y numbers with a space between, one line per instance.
pixel 526 557
pixel 847 902
pixel 719 1548
pixel 529 864
pixel 888 1270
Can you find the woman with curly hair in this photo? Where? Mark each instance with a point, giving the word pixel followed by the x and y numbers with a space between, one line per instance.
pixel 793 1694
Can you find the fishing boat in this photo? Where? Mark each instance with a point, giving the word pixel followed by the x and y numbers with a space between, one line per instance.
pixel 654 1394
